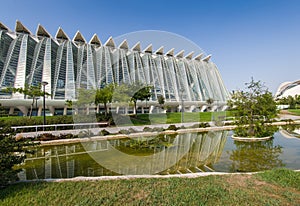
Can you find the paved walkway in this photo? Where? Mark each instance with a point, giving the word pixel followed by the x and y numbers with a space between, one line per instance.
pixel 288 116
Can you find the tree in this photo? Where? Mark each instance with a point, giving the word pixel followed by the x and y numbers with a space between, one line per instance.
pixel 255 156
pixel 85 98
pixel 209 101
pixel 141 92
pixel 122 94
pixel 13 151
pixel 291 102
pixel 105 96
pixel 161 100
pixel 253 108
pixel 32 91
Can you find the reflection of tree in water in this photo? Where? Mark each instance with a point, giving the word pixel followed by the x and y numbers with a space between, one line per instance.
pixel 255 156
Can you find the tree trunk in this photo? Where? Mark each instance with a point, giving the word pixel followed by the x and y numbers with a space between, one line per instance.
pixel 31 106
pixel 135 113
pixel 105 109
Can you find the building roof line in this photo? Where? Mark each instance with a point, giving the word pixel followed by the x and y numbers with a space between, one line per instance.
pixel 180 54
pixel 95 40
pixel 20 28
pixel 124 45
pixel 148 49
pixel 110 42
pixel 190 55
pixel 78 37
pixel 136 47
pixel 170 52
pixel 41 31
pixel 60 34
pixel 160 50
pixel 207 58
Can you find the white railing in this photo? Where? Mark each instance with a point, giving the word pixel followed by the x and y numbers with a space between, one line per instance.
pixel 56 126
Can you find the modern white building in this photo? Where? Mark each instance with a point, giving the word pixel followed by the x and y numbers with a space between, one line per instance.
pixel 69 64
pixel 288 89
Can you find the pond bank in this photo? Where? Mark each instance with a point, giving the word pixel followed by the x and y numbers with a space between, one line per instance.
pixel 133 135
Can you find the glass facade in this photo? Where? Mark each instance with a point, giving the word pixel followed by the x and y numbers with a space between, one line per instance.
pixel 68 65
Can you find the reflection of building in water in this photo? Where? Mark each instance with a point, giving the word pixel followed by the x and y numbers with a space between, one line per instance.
pixel 193 152
pixel 290 134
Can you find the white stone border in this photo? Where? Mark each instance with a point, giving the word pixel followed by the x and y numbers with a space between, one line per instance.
pixel 250 139
pixel 129 177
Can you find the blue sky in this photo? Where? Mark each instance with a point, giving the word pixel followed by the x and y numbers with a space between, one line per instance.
pixel 257 38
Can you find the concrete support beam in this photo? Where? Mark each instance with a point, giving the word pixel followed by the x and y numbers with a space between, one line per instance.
pixel 52 110
pixel 40 111
pixel 23 109
pixel 11 110
pixel 65 110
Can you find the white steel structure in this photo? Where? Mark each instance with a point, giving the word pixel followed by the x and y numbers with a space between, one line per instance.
pixel 68 64
pixel 288 89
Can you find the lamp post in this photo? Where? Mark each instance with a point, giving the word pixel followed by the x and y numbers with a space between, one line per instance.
pixel 44 102
pixel 182 106
pixel 36 108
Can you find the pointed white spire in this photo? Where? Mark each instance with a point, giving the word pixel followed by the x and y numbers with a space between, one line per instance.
pixel 41 31
pixel 60 34
pixel 95 40
pixel 21 28
pixel 137 47
pixel 170 52
pixel 110 42
pixel 198 57
pixel 189 55
pixel 160 50
pixel 124 45
pixel 180 54
pixel 148 49
pixel 207 58
pixel 3 27
pixel 79 38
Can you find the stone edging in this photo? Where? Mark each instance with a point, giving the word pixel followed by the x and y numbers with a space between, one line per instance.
pixel 128 177
pixel 133 135
pixel 250 139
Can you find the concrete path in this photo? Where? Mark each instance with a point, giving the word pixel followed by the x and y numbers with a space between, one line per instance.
pixel 288 116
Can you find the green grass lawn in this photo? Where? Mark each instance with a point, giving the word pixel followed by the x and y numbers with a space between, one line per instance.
pixel 140 119
pixel 277 187
pixel 175 117
pixel 295 111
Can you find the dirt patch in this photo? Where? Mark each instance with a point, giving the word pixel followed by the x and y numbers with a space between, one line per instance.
pixel 140 195
pixel 284 112
pixel 238 180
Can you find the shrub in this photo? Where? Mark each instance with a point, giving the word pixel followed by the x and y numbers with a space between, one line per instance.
pixel 104 132
pixel 172 127
pixel 12 151
pixel 158 129
pixel 124 131
pixel 46 137
pixel 147 129
pixel 67 136
pixel 85 133
pixel 201 125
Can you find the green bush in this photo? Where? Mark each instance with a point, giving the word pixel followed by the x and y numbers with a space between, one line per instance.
pixel 158 129
pixel 147 129
pixel 12 152
pixel 104 132
pixel 172 127
pixel 201 125
pixel 46 137
pixel 124 131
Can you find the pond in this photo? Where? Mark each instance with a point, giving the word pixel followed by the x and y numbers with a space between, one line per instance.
pixel 163 154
